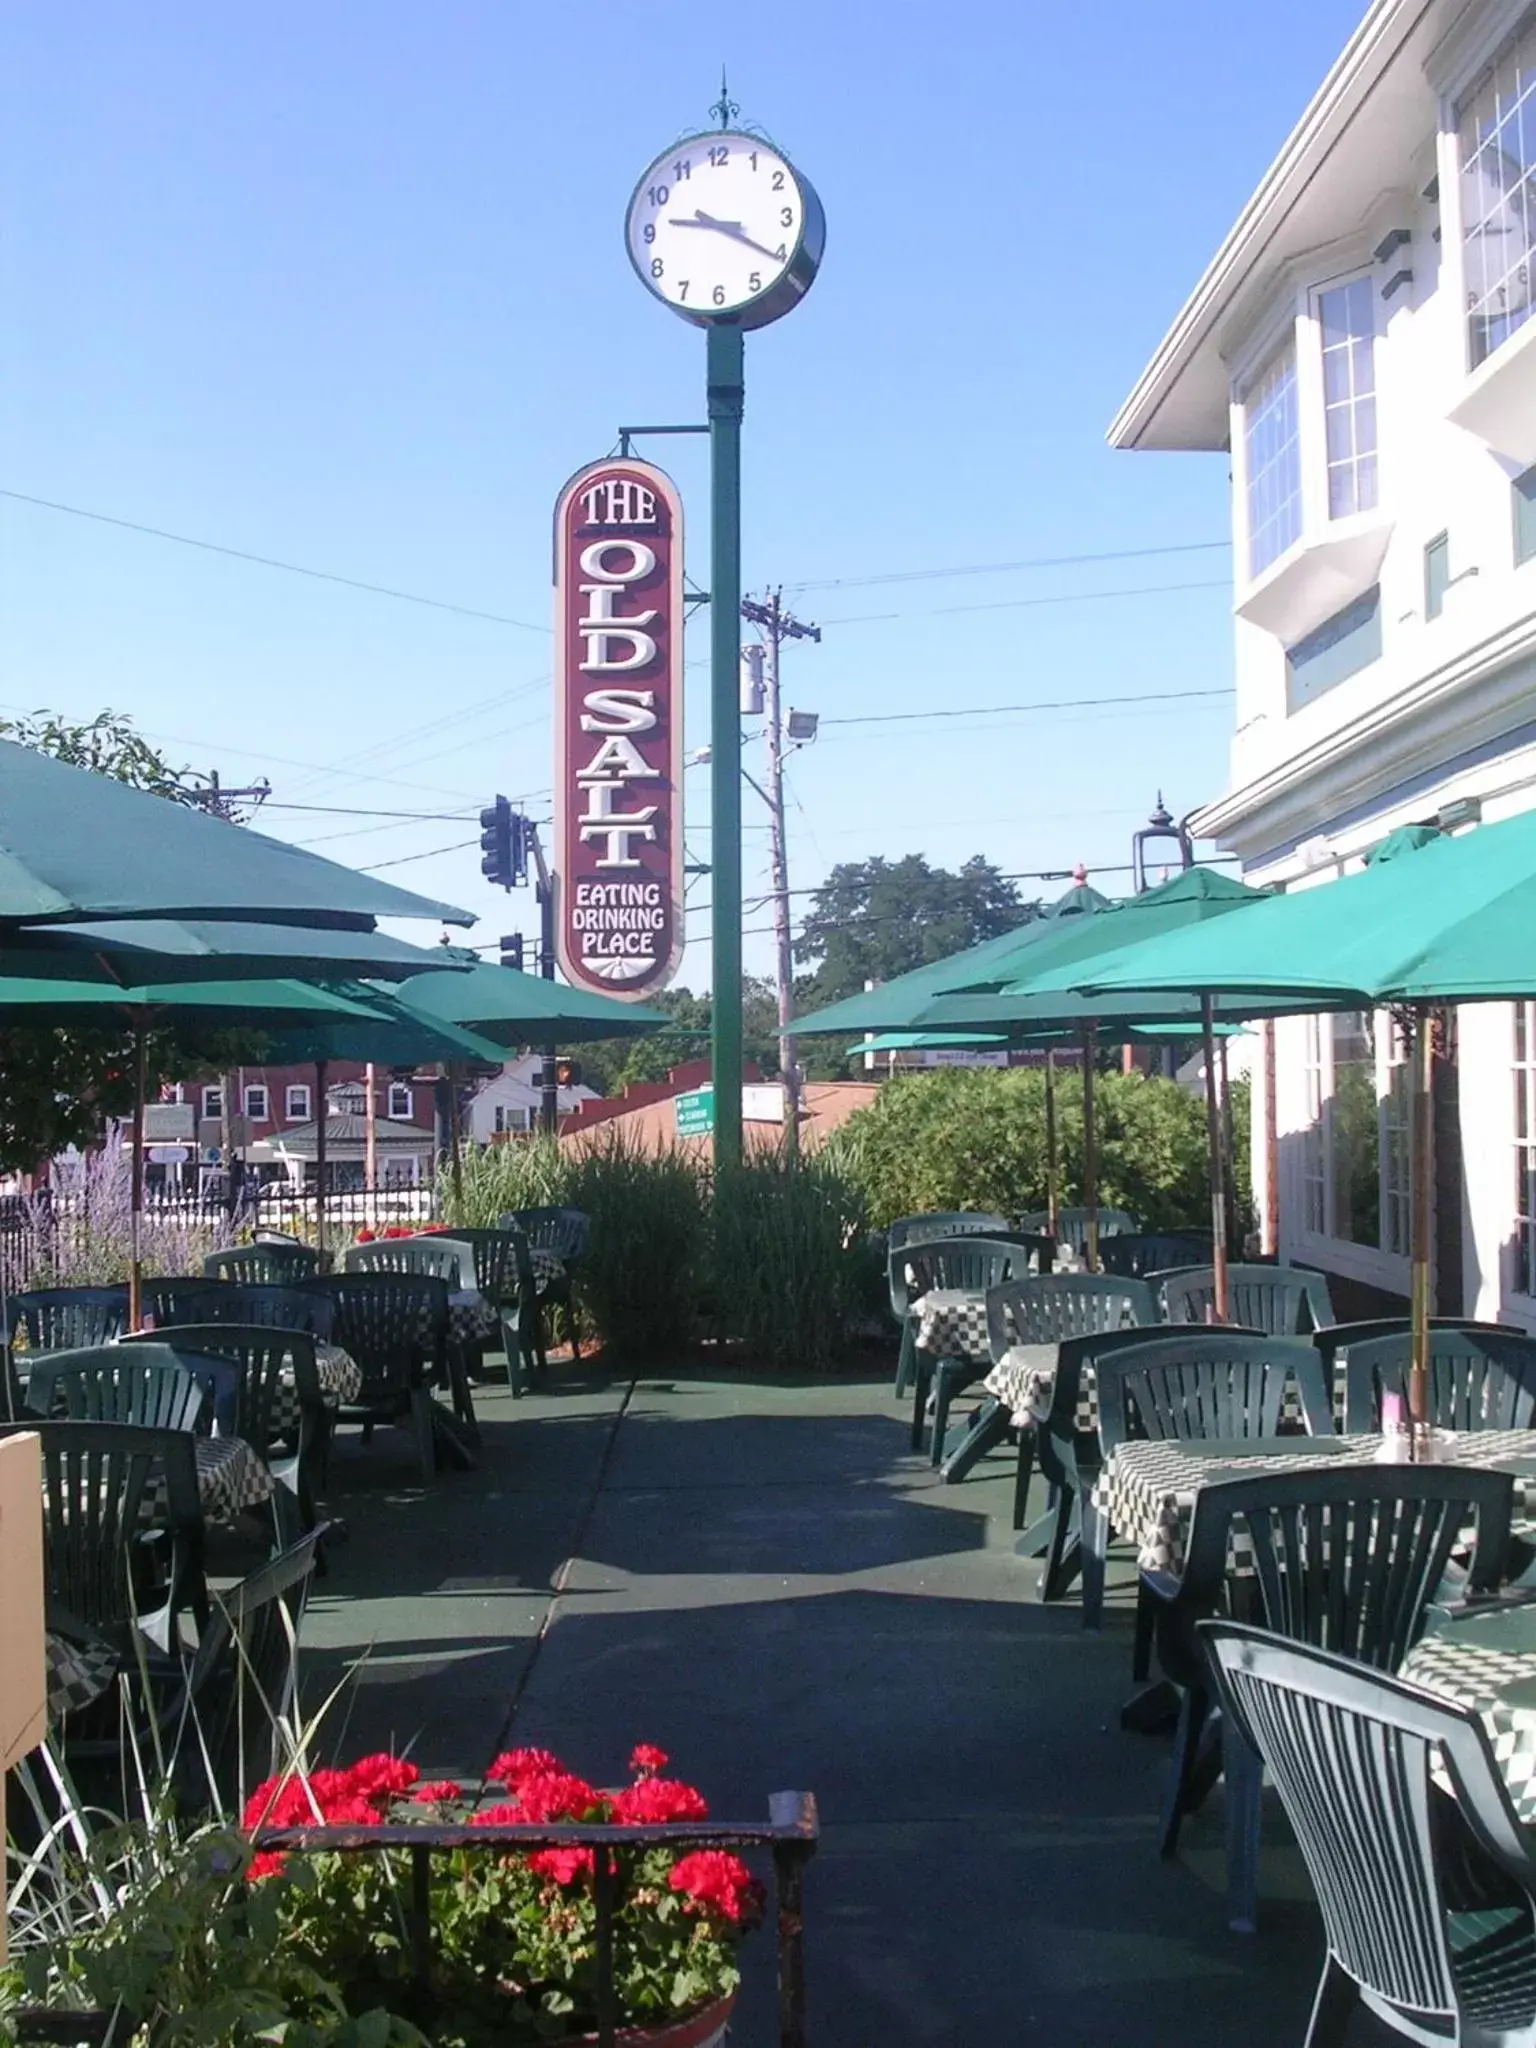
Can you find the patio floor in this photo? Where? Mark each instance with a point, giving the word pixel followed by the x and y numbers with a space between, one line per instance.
pixel 761 1578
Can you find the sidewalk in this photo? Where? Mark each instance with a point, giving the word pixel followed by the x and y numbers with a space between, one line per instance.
pixel 760 1578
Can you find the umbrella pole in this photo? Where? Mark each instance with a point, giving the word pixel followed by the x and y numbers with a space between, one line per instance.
pixel 1213 1122
pixel 1090 1146
pixel 1052 1186
pixel 136 1179
pixel 1423 1169
pixel 320 1130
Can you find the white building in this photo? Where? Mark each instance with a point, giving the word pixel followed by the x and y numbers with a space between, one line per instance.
pixel 1362 347
pixel 510 1102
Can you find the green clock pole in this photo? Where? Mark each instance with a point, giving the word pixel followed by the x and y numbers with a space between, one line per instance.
pixel 726 393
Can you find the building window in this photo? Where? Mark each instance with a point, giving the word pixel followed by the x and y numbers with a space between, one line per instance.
pixel 256 1106
pixel 1272 461
pixel 402 1103
pixel 1437 574
pixel 1347 317
pixel 1498 203
pixel 1314 1178
pixel 213 1102
pixel 1396 1124
pixel 296 1102
pixel 1525 1147
pixel 347 1099
pixel 1334 651
pixel 1523 491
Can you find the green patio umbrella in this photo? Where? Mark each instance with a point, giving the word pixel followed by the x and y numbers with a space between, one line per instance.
pixel 160 950
pixel 250 1003
pixel 994 994
pixel 76 844
pixel 523 1009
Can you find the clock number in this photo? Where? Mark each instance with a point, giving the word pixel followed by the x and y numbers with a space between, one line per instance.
pixel 655 266
pixel 683 168
pixel 752 159
pixel 781 253
pixel 658 194
pixel 719 155
pixel 786 216
pixel 755 281
pixel 718 294
pixel 682 287
pixel 650 231
pixel 778 177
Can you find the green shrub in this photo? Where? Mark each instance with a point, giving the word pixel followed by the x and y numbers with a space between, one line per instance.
pixel 785 1260
pixel 974 1138
pixel 523 1173
pixel 641 1276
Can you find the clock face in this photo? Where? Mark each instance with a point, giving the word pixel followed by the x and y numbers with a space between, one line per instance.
pixel 721 227
pixel 1498 252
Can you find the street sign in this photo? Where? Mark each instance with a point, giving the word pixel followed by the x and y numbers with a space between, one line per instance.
pixel 619 729
pixel 762 1102
pixel 169 1155
pixel 169 1123
pixel 695 1113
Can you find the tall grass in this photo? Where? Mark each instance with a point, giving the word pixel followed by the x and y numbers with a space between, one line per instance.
pixel 784 1260
pixel 640 1279
pixel 525 1173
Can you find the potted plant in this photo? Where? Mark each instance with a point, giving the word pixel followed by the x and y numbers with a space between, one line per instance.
pixel 515 1950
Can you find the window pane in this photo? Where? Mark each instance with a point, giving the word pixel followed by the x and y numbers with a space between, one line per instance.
pixel 1498 155
pixel 1272 449
pixel 1347 315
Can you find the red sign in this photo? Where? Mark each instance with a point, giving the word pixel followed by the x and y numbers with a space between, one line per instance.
pixel 619 729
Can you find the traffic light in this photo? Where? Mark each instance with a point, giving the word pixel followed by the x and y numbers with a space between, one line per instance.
pixel 512 951
pixel 522 846
pixel 568 1073
pixel 496 843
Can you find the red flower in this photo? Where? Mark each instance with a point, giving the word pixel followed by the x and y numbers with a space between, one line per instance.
pixel 558 1795
pixel 719 1882
pixel 353 1812
pixel 513 1765
pixel 366 1236
pixel 652 1802
pixel 563 1865
pixel 382 1775
pixel 267 1864
pixel 437 1793
pixel 504 1815
pixel 645 1760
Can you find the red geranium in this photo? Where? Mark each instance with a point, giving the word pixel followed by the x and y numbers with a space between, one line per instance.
pixel 267 1864
pixel 513 1765
pixel 438 1793
pixel 719 1882
pixel 558 1795
pixel 382 1776
pixel 563 1865
pixel 652 1802
pixel 366 1236
pixel 645 1760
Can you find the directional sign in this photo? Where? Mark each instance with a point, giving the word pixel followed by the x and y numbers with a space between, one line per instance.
pixel 695 1113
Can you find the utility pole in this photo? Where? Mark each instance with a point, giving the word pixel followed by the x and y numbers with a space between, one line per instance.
pixel 779 626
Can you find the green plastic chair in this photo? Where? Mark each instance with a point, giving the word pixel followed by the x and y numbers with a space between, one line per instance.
pixel 263 1265
pixel 1478 1379
pixel 1349 1560
pixel 567 1233
pixel 976 1264
pixel 66 1318
pixel 110 1383
pixel 394 1325
pixel 1285 1300
pixel 278 1308
pixel 931 1228
pixel 105 1484
pixel 1072 1225
pixel 1139 1252
pixel 504 1275
pixel 272 1370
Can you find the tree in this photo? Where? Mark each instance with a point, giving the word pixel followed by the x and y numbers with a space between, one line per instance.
pixel 612 1064
pixel 59 1087
pixel 874 919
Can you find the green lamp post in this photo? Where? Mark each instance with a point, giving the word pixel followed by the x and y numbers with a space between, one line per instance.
pixel 724 230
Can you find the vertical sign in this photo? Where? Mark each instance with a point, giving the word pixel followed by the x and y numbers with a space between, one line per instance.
pixel 619 729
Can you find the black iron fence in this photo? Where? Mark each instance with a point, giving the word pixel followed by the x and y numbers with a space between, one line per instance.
pixel 791 1835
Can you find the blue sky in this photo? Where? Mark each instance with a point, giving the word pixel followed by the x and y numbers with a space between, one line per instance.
pixel 346 286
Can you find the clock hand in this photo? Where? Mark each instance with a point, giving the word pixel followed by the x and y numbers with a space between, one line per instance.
pixel 705 220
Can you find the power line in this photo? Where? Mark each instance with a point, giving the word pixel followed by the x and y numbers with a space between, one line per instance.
pixel 1045 704
pixel 211 547
pixel 1015 604
pixel 352 811
pixel 1189 547
pixel 400 860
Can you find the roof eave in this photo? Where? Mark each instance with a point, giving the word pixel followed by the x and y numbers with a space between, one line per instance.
pixel 1386 26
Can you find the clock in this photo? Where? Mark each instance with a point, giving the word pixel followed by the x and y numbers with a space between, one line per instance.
pixel 722 227
pixel 1498 243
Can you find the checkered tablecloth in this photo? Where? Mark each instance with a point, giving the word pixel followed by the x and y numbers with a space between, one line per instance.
pixel 340 1379
pixel 230 1477
pixel 951 1322
pixel 472 1319
pixel 1025 1382
pixel 547 1266
pixel 76 1674
pixel 1147 1491
pixel 1481 1663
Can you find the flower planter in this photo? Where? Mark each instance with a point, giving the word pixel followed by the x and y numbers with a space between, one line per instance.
pixel 706 2029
